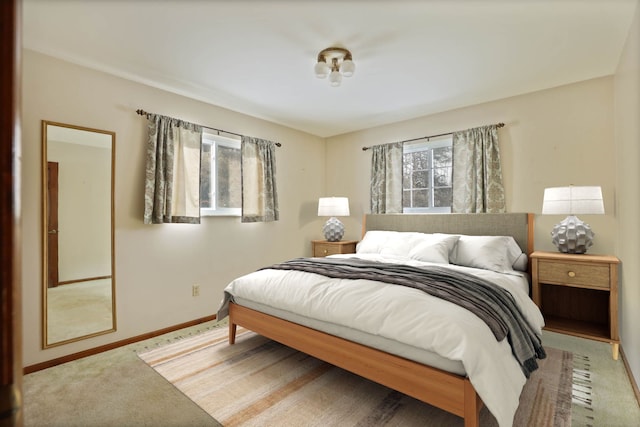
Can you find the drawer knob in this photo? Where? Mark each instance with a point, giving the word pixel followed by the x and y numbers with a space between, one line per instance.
pixel 325 251
pixel 571 274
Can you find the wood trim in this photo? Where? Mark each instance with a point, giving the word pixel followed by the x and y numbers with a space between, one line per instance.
pixel 11 412
pixel 88 279
pixel 450 392
pixel 634 384
pixel 111 346
pixel 530 233
pixel 579 258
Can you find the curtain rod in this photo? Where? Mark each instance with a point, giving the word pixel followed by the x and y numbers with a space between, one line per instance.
pixel 499 125
pixel 144 113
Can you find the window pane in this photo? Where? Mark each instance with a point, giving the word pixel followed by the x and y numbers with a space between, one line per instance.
pixel 420 198
pixel 442 197
pixel 406 199
pixel 407 159
pixel 228 177
pixel 406 179
pixel 442 177
pixel 420 179
pixel 442 157
pixel 421 160
pixel 205 173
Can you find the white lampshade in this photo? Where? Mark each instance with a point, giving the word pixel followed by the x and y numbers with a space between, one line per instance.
pixel 348 68
pixel 333 206
pixel 321 69
pixel 572 201
pixel 572 235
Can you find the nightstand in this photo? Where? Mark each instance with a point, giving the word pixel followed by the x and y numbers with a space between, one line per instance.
pixel 322 248
pixel 578 294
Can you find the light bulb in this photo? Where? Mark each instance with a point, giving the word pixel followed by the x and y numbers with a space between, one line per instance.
pixel 348 68
pixel 321 69
pixel 335 78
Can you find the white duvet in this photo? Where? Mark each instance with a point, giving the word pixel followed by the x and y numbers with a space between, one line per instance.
pixel 406 315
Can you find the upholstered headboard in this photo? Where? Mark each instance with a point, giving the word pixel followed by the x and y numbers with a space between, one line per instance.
pixel 518 225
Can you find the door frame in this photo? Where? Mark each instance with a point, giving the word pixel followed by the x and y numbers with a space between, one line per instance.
pixel 10 215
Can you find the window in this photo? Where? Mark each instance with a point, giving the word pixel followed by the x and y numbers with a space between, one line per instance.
pixel 426 176
pixel 220 176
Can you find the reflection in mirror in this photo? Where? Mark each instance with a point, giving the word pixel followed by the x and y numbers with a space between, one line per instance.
pixel 78 253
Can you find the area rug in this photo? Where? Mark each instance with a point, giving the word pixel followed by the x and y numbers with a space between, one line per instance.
pixel 258 382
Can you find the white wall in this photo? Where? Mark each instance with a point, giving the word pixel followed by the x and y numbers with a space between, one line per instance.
pixel 554 137
pixel 627 137
pixel 157 264
pixel 84 209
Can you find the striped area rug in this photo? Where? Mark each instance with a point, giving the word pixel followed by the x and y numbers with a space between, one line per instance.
pixel 258 382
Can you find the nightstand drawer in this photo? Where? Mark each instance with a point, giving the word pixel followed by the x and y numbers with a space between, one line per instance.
pixel 585 275
pixel 322 248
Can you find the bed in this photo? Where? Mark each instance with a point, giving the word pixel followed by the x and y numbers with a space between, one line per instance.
pixel 451 368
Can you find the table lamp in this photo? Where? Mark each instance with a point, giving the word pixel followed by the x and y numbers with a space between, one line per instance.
pixel 332 207
pixel 572 235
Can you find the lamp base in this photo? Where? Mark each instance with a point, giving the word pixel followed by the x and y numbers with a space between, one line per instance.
pixel 572 236
pixel 333 229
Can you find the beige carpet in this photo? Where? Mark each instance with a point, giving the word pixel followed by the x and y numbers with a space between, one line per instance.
pixel 78 309
pixel 258 382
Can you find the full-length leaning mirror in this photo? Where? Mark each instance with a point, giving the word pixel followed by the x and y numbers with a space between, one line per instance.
pixel 77 233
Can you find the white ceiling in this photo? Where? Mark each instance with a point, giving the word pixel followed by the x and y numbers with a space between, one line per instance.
pixel 412 58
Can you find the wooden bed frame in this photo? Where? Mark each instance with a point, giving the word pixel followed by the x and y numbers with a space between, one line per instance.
pixel 450 392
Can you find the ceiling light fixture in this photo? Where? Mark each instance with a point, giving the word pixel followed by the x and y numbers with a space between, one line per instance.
pixel 334 62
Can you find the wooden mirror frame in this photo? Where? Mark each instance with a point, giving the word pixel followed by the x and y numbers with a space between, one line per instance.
pixel 45 232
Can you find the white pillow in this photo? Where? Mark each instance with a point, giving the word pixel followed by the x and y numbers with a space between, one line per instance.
pixel 434 248
pixel 419 246
pixel 374 242
pixel 521 263
pixel 400 244
pixel 495 253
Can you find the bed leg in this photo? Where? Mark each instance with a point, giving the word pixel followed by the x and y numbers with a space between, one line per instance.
pixel 232 332
pixel 472 405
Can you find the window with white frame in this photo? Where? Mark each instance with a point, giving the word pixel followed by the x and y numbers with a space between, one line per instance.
pixel 426 175
pixel 220 176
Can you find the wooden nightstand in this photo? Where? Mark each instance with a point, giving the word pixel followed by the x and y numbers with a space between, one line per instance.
pixel 578 294
pixel 322 248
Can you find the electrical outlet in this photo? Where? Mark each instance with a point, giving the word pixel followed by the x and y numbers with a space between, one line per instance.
pixel 195 290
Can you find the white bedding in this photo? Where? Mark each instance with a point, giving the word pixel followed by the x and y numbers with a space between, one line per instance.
pixel 406 315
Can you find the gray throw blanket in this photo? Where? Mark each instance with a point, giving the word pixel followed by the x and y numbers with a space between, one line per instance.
pixel 493 304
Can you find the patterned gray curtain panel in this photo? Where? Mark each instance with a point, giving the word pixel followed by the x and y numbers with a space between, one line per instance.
pixel 172 182
pixel 259 193
pixel 477 173
pixel 386 178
